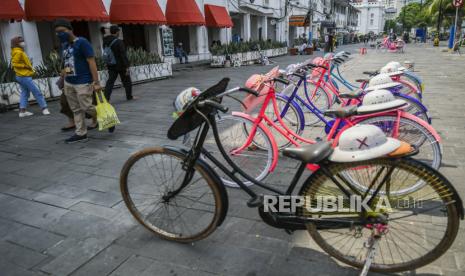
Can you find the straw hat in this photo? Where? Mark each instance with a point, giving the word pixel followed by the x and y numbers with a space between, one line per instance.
pixel 379 100
pixel 381 81
pixel 363 142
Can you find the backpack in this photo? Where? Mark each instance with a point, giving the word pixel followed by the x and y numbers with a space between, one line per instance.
pixel 108 55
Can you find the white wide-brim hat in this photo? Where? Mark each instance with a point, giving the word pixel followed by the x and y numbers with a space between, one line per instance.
pixel 379 100
pixel 363 142
pixel 391 71
pixel 381 107
pixel 382 86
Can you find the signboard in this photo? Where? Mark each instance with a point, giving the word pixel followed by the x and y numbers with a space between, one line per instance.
pixel 458 3
pixel 167 41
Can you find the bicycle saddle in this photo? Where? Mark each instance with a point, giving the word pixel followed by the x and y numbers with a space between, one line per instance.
pixel 351 94
pixel 341 111
pixel 311 153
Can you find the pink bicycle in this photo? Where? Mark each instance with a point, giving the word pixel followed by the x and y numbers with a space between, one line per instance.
pixel 253 139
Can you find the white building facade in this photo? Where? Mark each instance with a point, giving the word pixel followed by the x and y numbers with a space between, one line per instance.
pixel 260 20
pixel 372 16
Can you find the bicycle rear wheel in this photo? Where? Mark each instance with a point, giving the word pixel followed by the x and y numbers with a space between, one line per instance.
pixel 421 226
pixel 412 133
pixel 147 182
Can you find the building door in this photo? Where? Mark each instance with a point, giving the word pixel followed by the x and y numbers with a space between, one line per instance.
pixel 181 35
pixel 134 36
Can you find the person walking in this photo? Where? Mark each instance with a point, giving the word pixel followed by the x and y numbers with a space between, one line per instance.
pixel 24 72
pixel 117 62
pixel 80 77
pixel 180 53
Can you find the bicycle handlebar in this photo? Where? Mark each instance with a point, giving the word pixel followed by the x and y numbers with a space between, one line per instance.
pixel 213 104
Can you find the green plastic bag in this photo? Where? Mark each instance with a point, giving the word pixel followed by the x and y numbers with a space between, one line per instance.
pixel 106 114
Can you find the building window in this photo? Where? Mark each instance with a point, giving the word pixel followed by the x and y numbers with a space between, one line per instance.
pixel 372 15
pixel 371 22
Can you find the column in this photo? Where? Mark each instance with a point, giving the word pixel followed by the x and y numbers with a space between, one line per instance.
pixel 245 32
pixel 202 42
pixel 7 32
pixel 31 37
pixel 264 27
pixel 96 37
pixel 153 38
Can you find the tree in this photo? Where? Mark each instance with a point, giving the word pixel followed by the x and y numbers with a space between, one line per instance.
pixel 390 24
pixel 443 11
pixel 413 15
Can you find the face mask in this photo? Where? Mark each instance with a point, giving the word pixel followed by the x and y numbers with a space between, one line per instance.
pixel 63 36
pixel 22 44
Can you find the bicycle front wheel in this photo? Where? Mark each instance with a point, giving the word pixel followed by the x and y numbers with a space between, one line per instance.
pixel 420 226
pixel 255 159
pixel 149 182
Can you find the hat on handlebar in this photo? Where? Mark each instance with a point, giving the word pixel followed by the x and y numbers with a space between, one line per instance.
pixel 379 100
pixel 381 81
pixel 363 142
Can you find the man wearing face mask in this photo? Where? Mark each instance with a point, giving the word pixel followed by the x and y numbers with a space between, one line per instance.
pixel 81 77
pixel 24 72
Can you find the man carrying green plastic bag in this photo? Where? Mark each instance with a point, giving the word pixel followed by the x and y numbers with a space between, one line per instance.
pixel 106 114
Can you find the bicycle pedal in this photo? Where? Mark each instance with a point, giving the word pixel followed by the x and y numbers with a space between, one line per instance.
pixel 255 202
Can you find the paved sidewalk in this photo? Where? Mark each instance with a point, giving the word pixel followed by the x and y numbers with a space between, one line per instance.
pixel 61 212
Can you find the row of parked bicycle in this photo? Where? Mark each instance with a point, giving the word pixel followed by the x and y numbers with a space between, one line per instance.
pixel 374 142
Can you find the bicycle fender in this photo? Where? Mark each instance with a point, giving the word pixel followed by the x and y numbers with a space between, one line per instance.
pixel 297 107
pixel 211 172
pixel 420 104
pixel 423 124
pixel 267 132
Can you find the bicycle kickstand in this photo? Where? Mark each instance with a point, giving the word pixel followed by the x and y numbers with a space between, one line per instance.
pixel 371 254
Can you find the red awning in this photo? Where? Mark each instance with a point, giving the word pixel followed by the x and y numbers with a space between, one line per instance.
pixel 90 10
pixel 183 12
pixel 136 12
pixel 217 16
pixel 11 9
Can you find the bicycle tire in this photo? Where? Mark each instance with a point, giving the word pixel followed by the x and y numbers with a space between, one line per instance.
pixel 415 108
pixel 412 133
pixel 258 160
pixel 134 194
pixel 403 232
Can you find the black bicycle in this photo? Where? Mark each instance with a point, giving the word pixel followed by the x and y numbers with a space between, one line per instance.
pixel 176 194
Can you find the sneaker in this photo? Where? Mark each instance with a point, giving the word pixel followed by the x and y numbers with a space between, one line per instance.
pixel 45 111
pixel 76 138
pixel 111 129
pixel 25 114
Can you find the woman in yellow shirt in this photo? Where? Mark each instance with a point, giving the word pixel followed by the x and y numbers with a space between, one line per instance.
pixel 24 72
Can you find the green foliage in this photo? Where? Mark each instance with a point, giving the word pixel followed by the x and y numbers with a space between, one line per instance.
pixel 50 67
pixel 141 57
pixel 414 15
pixel 390 24
pixel 6 72
pixel 242 47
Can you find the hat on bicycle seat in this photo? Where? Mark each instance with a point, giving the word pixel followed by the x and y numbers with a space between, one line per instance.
pixel 381 81
pixel 391 70
pixel 379 100
pixel 397 65
pixel 363 142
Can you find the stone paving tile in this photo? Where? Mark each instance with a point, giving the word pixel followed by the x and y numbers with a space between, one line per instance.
pixel 93 209
pixel 135 265
pixel 34 238
pixel 19 255
pixel 11 269
pixel 105 262
pixel 108 199
pixel 76 256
